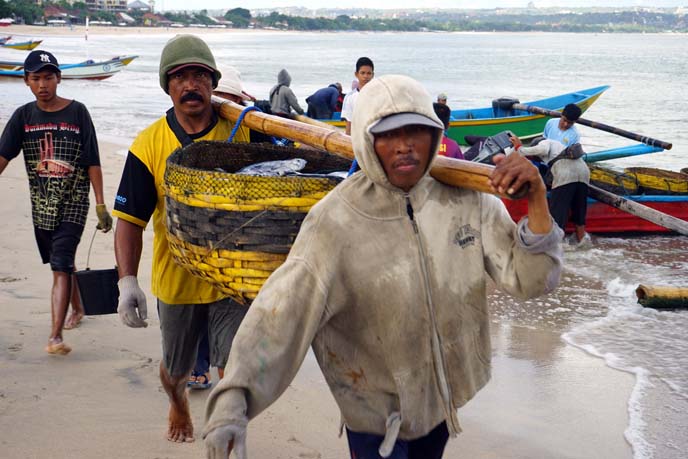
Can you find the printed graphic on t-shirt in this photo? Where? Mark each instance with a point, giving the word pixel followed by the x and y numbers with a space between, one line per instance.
pixel 59 189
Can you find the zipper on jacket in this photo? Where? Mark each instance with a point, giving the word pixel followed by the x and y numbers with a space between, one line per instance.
pixel 438 356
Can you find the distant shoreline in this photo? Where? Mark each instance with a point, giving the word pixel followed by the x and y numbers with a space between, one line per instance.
pixel 33 31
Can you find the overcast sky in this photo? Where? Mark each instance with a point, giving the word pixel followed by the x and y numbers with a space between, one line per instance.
pixel 314 4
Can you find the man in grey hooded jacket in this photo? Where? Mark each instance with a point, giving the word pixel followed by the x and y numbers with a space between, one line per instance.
pixel 282 98
pixel 387 282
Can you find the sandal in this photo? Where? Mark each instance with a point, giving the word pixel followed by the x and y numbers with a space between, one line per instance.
pixel 199 382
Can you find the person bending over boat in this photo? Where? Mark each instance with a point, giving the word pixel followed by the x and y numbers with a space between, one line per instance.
pixel 186 304
pixel 323 102
pixel 282 98
pixel 387 282
pixel 60 149
pixel 571 177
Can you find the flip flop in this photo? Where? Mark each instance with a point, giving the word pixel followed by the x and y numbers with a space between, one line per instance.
pixel 60 348
pixel 199 382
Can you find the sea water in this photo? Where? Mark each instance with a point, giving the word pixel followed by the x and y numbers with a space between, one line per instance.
pixel 596 309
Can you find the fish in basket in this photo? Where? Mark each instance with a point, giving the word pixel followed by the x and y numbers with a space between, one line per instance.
pixel 232 229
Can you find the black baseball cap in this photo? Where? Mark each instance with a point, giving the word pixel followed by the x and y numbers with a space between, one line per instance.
pixel 37 60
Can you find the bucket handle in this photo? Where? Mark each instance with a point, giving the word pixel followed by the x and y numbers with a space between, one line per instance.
pixel 90 246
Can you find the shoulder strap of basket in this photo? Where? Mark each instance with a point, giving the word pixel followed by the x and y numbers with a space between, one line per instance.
pixel 179 132
pixel 573 151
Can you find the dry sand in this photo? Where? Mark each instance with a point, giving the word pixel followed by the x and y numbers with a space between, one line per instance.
pixel 545 400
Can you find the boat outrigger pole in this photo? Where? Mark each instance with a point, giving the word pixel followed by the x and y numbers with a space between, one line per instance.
pixel 594 124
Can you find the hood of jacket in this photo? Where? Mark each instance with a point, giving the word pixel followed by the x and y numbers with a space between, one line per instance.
pixel 384 96
pixel 283 77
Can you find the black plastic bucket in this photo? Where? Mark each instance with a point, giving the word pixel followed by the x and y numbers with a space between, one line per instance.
pixel 98 290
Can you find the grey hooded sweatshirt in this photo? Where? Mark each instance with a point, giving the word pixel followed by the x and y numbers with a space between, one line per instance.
pixel 282 98
pixel 389 288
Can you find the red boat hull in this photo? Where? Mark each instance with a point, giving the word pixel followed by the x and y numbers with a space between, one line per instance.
pixel 603 218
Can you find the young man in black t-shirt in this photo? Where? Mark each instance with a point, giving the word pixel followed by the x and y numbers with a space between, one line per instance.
pixel 61 156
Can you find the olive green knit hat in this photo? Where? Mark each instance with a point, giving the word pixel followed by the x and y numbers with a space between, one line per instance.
pixel 186 49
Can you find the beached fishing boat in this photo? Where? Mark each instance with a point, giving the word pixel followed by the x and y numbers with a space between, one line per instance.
pixel 5 39
pixel 500 117
pixel 603 218
pixel 23 45
pixel 87 70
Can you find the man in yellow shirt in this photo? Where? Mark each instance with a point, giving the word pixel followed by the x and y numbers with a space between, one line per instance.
pixel 186 304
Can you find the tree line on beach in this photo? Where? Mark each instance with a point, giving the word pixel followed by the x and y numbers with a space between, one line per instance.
pixel 449 20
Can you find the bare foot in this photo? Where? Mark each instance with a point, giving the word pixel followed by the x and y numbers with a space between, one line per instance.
pixel 57 348
pixel 73 321
pixel 180 427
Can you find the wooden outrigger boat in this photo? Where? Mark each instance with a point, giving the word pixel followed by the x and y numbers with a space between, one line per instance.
pixel 668 193
pixel 603 218
pixel 23 45
pixel 87 70
pixel 501 116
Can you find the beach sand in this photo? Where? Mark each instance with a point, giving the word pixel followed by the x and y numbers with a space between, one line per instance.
pixel 545 400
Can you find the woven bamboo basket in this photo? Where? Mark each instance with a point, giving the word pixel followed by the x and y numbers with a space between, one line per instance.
pixel 613 181
pixel 659 181
pixel 234 230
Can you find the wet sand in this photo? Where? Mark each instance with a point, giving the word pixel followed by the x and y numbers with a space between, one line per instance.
pixel 546 399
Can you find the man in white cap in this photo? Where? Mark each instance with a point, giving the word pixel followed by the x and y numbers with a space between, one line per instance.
pixel 230 86
pixel 386 281
pixel 187 305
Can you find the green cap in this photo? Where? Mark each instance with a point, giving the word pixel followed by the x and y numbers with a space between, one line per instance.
pixel 186 50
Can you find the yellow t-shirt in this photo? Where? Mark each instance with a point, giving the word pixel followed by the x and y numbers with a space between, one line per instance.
pixel 143 178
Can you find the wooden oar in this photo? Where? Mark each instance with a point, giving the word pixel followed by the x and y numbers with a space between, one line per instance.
pixel 594 124
pixel 639 210
pixel 450 171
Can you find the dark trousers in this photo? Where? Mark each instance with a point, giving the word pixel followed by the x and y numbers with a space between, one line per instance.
pixel 203 356
pixel 431 446
pixel 570 198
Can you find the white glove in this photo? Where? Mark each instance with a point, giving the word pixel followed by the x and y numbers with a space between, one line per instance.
pixel 131 298
pixel 217 442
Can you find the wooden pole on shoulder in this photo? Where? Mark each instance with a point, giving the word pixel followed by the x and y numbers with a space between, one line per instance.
pixel 450 171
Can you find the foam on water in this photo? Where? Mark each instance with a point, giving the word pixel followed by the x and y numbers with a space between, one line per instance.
pixel 649 343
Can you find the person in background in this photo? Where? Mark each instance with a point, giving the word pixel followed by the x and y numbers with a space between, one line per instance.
pixel 400 352
pixel 570 182
pixel 563 129
pixel 365 71
pixel 449 147
pixel 282 98
pixel 187 305
pixel 323 102
pixel 442 98
pixel 570 177
pixel 60 149
pixel 230 86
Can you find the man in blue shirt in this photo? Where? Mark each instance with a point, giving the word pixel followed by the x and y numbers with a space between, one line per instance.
pixel 563 129
pixel 568 199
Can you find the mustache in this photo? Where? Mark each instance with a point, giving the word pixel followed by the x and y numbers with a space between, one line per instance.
pixel 189 96
pixel 406 161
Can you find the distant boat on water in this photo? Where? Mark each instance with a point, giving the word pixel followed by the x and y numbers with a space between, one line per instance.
pixel 22 45
pixel 87 70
